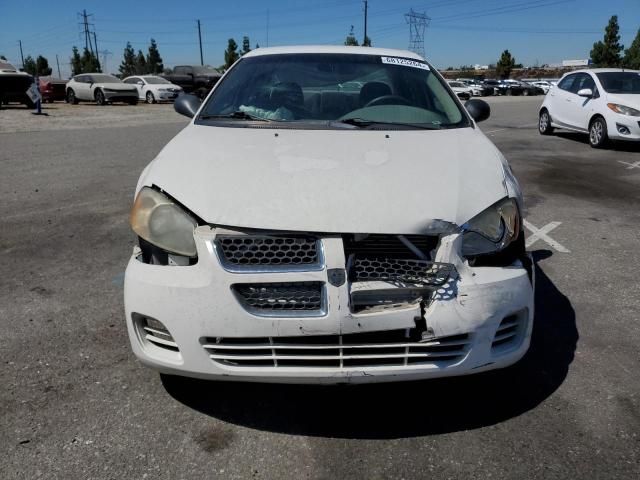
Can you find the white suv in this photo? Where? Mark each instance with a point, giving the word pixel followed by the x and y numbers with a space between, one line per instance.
pixel 603 102
pixel 297 231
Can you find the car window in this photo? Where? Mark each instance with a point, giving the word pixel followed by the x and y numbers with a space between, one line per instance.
pixel 310 88
pixel 179 70
pixel 567 82
pixel 131 80
pixel 620 82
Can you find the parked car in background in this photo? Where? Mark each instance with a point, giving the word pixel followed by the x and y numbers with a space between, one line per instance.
pixel 543 85
pixel 52 89
pixel 461 90
pixel 100 88
pixel 152 88
pixel 603 102
pixel 477 88
pixel 527 88
pixel 14 85
pixel 370 275
pixel 194 78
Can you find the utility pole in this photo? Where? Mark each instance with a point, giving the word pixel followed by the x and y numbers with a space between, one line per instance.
pixel 96 44
pixel 21 55
pixel 58 63
pixel 364 41
pixel 200 39
pixel 418 22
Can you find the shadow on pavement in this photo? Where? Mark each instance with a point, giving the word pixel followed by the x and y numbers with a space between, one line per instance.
pixel 618 146
pixel 408 409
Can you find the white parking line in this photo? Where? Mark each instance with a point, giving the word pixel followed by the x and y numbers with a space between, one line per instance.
pixel 631 166
pixel 541 234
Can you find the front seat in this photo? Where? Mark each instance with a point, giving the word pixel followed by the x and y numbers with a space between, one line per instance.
pixel 288 95
pixel 373 90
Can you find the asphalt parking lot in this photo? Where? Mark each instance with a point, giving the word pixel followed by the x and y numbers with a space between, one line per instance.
pixel 75 404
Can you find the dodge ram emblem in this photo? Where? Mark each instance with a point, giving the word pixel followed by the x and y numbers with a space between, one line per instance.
pixel 337 276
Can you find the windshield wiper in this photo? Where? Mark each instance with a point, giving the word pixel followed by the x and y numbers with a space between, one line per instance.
pixel 363 123
pixel 239 114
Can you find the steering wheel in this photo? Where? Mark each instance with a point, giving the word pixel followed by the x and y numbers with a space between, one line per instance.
pixel 388 100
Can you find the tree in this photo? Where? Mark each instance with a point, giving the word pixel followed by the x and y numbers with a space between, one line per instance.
pixel 3 58
pixel 42 66
pixel 246 46
pixel 632 54
pixel 351 39
pixel 89 62
pixel 76 62
pixel 257 45
pixel 607 53
pixel 154 60
pixel 29 65
pixel 231 53
pixel 141 64
pixel 505 65
pixel 128 65
pixel 367 41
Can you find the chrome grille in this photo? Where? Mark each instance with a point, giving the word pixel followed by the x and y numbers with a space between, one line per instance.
pixel 250 251
pixel 371 349
pixel 409 271
pixel 276 298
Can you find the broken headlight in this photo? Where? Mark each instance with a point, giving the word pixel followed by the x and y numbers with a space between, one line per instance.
pixel 163 223
pixel 492 229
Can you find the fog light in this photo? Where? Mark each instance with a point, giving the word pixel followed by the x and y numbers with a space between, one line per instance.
pixel 623 130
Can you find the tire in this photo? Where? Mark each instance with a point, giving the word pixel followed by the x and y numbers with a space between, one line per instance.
pixel 525 93
pixel 508 92
pixel 150 98
pixel 598 137
pixel 544 123
pixel 71 97
pixel 99 96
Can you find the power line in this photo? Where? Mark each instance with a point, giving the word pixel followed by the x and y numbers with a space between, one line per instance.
pixel 418 23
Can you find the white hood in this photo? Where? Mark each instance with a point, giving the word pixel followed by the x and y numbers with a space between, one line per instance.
pixel 351 181
pixel 627 99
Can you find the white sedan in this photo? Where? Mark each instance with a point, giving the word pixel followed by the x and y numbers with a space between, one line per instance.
pixel 461 90
pixel 152 88
pixel 544 85
pixel 603 102
pixel 296 232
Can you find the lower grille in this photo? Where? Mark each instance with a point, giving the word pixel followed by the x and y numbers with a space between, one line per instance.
pixel 371 349
pixel 154 332
pixel 508 332
pixel 277 298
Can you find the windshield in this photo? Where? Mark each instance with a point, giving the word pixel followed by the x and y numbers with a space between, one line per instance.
pixel 322 89
pixel 156 80
pixel 105 79
pixel 620 82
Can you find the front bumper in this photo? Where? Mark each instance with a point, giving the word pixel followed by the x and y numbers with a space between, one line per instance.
pixel 120 96
pixel 623 127
pixel 197 306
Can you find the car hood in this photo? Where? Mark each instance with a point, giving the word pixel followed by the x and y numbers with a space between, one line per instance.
pixel 357 181
pixel 626 99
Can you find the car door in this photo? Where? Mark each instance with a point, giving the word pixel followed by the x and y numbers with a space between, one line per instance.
pixel 139 84
pixel 580 108
pixel 560 98
pixel 82 88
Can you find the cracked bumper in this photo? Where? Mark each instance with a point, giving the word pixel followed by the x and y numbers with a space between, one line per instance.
pixel 196 304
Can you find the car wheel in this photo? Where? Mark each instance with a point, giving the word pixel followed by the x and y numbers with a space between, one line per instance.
pixel 71 97
pixel 99 96
pixel 525 93
pixel 544 123
pixel 598 133
pixel 508 92
pixel 150 98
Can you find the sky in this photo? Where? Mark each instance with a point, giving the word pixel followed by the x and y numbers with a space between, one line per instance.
pixel 460 32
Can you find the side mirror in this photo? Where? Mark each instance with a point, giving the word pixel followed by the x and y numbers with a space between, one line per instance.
pixel 585 92
pixel 478 109
pixel 187 105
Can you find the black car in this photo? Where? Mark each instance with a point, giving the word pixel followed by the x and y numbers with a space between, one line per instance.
pixel 194 79
pixel 502 87
pixel 14 85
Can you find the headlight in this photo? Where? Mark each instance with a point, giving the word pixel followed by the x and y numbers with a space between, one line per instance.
pixel 161 222
pixel 631 112
pixel 492 229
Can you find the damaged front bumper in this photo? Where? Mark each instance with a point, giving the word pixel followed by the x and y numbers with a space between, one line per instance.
pixel 221 319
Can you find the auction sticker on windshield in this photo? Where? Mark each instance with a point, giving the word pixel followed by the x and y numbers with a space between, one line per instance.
pixel 405 62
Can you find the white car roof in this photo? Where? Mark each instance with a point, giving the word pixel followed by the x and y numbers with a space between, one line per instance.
pixel 603 70
pixel 389 52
